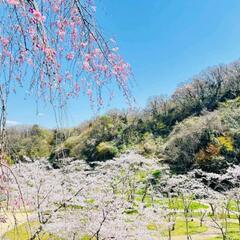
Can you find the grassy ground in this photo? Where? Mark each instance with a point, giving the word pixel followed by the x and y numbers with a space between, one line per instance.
pixel 23 232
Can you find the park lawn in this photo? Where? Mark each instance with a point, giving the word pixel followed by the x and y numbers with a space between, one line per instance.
pixel 180 228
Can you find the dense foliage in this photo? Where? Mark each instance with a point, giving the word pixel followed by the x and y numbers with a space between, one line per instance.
pixel 33 142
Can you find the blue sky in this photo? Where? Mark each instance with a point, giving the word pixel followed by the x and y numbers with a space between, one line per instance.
pixel 166 42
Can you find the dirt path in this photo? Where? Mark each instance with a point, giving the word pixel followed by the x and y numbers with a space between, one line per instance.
pixel 13 220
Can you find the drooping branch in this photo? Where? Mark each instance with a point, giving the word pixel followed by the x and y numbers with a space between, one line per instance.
pixel 61 46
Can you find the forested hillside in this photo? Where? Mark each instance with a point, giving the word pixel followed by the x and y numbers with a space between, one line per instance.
pixel 197 127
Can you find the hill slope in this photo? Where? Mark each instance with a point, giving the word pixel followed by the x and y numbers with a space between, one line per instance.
pixel 197 126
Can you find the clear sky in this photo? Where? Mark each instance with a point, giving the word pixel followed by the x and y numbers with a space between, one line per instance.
pixel 166 42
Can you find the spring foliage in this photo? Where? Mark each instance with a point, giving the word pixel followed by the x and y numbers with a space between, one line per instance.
pixel 198 126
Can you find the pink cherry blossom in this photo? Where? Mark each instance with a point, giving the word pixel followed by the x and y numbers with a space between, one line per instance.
pixel 68 76
pixel 77 88
pixel 50 54
pixel 83 44
pixel 38 16
pixel 61 33
pixel 5 41
pixel 13 2
pixel 86 66
pixel 89 92
pixel 97 51
pixel 70 56
pixel 88 57
pixel 29 61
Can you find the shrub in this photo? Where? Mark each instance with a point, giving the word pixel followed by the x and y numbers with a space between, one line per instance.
pixel 9 160
pixel 209 159
pixel 226 142
pixel 149 147
pixel 156 173
pixel 34 147
pixel 105 150
pixel 77 150
pixel 236 139
pixel 208 153
pixel 72 141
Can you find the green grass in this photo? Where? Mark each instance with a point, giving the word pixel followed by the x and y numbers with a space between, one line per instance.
pixel 22 232
pixel 89 201
pixel 72 207
pixel 141 176
pixel 131 211
pixel 233 205
pixel 180 228
pixel 152 227
pixel 176 203
pixel 156 173
pixel 194 228
pixel 233 232
pixel 147 200
pixel 87 237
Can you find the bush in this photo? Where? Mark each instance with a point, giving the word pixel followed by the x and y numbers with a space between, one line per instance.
pixel 148 145
pixel 226 142
pixel 105 150
pixel 8 159
pixel 72 141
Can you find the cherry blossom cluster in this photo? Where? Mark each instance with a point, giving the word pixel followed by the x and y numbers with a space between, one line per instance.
pixel 58 46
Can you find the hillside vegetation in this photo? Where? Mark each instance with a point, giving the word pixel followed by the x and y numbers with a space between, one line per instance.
pixel 197 127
